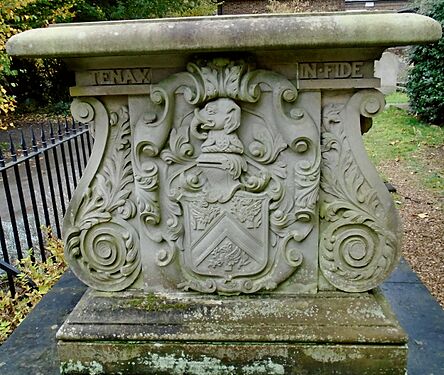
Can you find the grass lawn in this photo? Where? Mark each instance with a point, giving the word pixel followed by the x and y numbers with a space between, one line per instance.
pixel 397 97
pixel 398 136
pixel 410 155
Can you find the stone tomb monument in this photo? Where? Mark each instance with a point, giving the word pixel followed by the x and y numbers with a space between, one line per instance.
pixel 229 220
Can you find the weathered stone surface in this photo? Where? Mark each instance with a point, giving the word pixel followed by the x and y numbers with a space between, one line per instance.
pixel 418 313
pixel 325 317
pixel 389 69
pixel 225 159
pixel 230 163
pixel 228 358
pixel 218 170
pixel 193 334
pixel 230 33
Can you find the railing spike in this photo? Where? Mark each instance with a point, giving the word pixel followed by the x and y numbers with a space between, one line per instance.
pixel 33 141
pixel 2 159
pixel 12 148
pixel 43 135
pixel 23 143
pixel 73 125
pixel 59 130
pixel 51 132
pixel 67 129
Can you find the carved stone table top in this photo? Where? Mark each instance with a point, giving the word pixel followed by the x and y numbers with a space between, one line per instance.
pixel 233 33
pixel 228 155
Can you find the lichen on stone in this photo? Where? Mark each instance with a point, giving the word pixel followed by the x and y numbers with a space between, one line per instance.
pixel 185 365
pixel 77 367
pixel 267 367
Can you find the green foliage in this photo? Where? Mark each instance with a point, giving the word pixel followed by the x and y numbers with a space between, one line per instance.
pixel 108 10
pixel 14 309
pixel 46 82
pixel 136 9
pixel 17 16
pixel 425 84
pixel 41 83
pixel 300 6
pixel 398 136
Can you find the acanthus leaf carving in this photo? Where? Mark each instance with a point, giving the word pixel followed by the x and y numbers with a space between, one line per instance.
pixel 180 150
pixel 266 147
pixel 220 77
pixel 358 245
pixel 101 245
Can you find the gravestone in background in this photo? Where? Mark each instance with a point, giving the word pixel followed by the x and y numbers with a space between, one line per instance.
pixel 229 220
pixel 389 69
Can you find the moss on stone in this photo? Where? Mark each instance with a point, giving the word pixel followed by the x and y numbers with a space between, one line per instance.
pixel 153 302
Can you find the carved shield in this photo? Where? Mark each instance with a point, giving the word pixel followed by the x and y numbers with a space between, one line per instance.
pixel 228 239
pixel 227 177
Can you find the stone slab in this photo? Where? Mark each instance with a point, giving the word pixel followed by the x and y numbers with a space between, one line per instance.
pixel 228 33
pixel 162 205
pixel 423 318
pixel 338 84
pixel 32 347
pixel 326 317
pixel 402 274
pixel 170 358
pixel 129 333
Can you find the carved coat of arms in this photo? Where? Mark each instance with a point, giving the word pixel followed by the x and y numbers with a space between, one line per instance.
pixel 210 182
pixel 227 177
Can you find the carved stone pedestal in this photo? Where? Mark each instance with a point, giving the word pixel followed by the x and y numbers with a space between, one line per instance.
pixel 133 333
pixel 229 220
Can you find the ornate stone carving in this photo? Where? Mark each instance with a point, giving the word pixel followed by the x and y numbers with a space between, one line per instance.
pixel 102 247
pixel 216 154
pixel 359 230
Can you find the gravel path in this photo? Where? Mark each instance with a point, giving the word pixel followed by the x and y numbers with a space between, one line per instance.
pixel 422 213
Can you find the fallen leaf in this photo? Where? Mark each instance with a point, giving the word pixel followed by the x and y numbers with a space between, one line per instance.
pixel 423 215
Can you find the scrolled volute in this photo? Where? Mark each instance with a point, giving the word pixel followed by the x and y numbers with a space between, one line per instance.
pixel 101 246
pixel 359 225
pixel 108 256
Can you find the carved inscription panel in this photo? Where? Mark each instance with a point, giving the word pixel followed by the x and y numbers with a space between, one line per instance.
pixel 334 70
pixel 105 77
pixel 336 75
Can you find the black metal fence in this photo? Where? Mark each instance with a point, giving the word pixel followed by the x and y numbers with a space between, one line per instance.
pixel 39 170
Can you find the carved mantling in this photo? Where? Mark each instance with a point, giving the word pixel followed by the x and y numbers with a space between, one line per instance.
pixel 359 227
pixel 227 172
pixel 101 245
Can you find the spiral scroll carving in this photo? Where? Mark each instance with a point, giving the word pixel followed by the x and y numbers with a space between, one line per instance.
pixel 356 256
pixel 358 244
pixel 110 250
pixel 102 247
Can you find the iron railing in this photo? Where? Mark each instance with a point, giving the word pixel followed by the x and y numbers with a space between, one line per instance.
pixel 38 175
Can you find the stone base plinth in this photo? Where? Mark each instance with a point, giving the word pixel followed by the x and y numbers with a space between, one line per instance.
pixel 327 333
